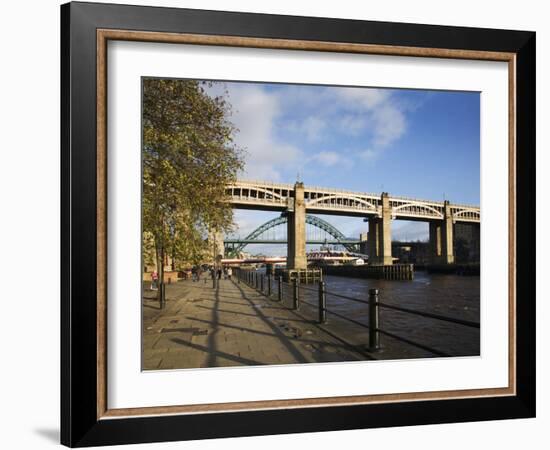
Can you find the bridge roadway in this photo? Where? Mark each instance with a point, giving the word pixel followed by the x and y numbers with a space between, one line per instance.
pixel 295 200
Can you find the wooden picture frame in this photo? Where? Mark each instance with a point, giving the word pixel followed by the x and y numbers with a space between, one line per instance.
pixel 86 418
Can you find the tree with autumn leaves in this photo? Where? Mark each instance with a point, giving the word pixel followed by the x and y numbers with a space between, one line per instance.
pixel 188 158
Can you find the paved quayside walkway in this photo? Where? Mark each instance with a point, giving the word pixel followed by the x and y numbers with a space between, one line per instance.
pixel 232 325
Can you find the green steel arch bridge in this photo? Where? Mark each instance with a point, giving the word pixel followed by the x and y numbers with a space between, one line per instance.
pixel 319 232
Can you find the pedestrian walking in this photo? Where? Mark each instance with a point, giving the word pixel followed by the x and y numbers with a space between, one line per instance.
pixel 154 280
pixel 229 272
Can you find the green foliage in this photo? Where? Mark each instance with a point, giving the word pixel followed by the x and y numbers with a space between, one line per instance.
pixel 188 158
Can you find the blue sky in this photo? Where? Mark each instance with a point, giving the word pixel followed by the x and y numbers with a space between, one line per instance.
pixel 417 143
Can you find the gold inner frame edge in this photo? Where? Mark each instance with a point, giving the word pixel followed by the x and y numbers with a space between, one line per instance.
pixel 103 36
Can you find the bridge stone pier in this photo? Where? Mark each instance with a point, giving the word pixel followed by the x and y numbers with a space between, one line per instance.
pixel 296 231
pixel 379 240
pixel 441 238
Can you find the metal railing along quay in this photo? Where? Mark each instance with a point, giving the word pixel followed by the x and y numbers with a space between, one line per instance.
pixel 271 286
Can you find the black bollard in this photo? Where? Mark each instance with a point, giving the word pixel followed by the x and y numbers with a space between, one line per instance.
pixel 374 336
pixel 280 293
pixel 322 303
pixel 296 294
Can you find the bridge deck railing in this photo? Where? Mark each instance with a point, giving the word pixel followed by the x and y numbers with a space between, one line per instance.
pixel 247 184
pixel 282 291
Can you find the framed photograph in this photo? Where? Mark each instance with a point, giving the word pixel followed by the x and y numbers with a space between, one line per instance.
pixel 277 224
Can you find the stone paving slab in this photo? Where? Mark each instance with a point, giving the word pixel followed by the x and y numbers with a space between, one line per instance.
pixel 232 325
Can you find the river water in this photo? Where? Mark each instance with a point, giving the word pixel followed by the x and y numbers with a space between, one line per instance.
pixel 447 295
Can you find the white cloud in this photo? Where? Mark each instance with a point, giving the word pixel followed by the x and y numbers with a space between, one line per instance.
pixel 352 124
pixel 329 159
pixel 312 128
pixel 314 115
pixel 254 112
pixel 389 125
pixel 370 112
pixel 375 111
pixel 364 98
pixel 368 154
